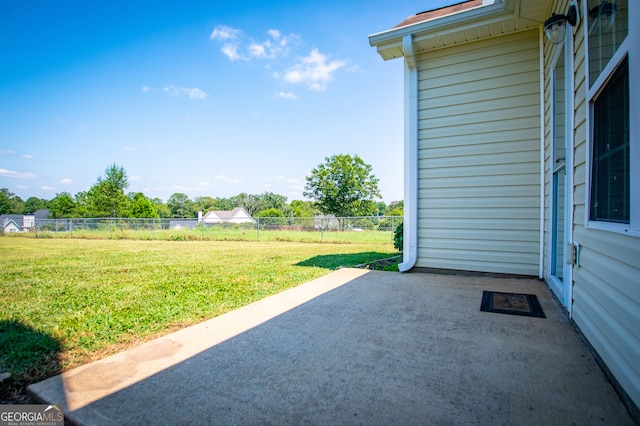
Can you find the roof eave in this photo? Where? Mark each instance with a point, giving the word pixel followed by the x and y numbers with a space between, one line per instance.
pixel 389 43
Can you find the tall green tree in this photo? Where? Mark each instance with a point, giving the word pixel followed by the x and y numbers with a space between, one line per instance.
pixel 381 207
pixel 34 204
pixel 395 206
pixel 251 203
pixel 106 198
pixel 205 204
pixel 343 186
pixel 301 208
pixel 162 208
pixel 269 200
pixel 81 204
pixel 180 205
pixel 225 204
pixel 142 207
pixel 10 203
pixel 5 201
pixel 62 205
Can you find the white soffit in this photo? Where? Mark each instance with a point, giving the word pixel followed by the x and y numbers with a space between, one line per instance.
pixel 487 20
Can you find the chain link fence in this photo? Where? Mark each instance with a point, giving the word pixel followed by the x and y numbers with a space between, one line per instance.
pixel 320 228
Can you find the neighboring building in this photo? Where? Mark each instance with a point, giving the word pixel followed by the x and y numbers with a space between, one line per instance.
pixel 523 156
pixel 11 223
pixel 21 223
pixel 237 215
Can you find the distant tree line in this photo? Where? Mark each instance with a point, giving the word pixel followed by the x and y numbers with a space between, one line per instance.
pixel 107 198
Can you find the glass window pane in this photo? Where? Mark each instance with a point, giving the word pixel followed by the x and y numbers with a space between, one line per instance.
pixel 608 23
pixel 610 175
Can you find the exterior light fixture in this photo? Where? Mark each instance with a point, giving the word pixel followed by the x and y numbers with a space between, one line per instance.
pixel 555 27
pixel 605 12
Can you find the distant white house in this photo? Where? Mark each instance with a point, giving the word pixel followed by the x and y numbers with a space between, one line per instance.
pixel 10 223
pixel 237 215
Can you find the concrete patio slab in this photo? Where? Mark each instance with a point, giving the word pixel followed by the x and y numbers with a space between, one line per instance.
pixel 354 347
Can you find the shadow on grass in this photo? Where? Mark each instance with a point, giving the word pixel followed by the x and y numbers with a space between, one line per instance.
pixel 29 356
pixel 334 261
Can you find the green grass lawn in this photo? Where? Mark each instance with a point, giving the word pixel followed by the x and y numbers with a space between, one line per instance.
pixel 66 302
pixel 221 233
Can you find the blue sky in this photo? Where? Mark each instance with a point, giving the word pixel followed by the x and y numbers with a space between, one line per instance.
pixel 207 98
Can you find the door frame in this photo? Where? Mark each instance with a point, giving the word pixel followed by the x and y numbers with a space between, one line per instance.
pixel 562 288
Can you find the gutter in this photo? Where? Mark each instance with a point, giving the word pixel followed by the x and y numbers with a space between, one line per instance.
pixel 493 11
pixel 410 227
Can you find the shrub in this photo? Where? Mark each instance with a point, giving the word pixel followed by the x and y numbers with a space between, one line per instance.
pixel 364 223
pixel 387 224
pixel 398 238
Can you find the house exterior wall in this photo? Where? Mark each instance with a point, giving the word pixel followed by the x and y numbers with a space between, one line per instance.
pixel 11 227
pixel 211 218
pixel 549 53
pixel 606 280
pixel 479 156
pixel 241 216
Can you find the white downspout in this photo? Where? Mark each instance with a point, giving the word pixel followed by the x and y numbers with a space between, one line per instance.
pixel 410 233
pixel 541 78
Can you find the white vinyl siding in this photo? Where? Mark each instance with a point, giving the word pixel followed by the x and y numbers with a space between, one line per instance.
pixel 606 291
pixel 479 173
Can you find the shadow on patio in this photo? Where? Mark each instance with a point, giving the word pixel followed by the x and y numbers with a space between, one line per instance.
pixel 355 347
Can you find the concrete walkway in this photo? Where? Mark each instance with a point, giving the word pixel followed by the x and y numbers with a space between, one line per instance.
pixel 354 347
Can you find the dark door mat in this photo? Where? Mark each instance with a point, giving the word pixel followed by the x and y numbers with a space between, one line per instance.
pixel 512 304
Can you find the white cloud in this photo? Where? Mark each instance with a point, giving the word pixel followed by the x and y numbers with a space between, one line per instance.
pixel 6 152
pixel 259 50
pixel 313 71
pixel 277 47
pixel 227 179
pixel 16 175
pixel 48 188
pixel 135 178
pixel 205 184
pixel 229 35
pixel 275 34
pixel 286 95
pixel 231 51
pixel 223 32
pixel 129 148
pixel 27 156
pixel 146 89
pixel 192 93
pixel 236 45
pixel 66 181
